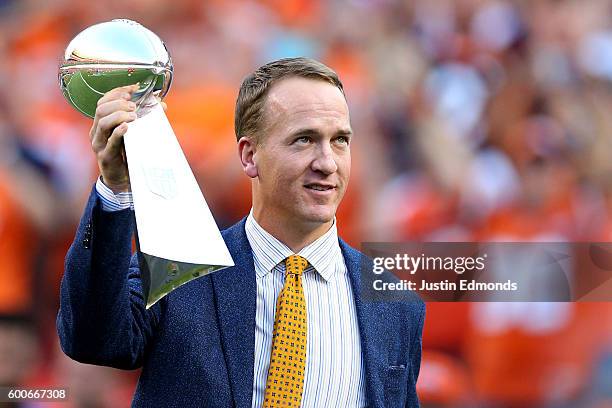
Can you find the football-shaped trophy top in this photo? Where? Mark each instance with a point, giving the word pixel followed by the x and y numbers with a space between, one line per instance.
pixel 113 54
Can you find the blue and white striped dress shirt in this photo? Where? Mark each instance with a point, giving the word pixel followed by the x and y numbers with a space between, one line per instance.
pixel 334 375
pixel 112 201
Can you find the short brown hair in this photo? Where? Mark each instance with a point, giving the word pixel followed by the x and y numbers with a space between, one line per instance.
pixel 252 95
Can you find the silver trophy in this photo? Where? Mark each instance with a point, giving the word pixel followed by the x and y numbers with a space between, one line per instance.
pixel 177 237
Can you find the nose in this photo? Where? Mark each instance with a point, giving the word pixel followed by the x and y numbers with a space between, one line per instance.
pixel 325 162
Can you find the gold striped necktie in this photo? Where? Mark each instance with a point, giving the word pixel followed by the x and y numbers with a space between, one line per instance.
pixel 285 381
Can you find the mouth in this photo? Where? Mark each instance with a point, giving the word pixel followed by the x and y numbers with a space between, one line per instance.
pixel 320 187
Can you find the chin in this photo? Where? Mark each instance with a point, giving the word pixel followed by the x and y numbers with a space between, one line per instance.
pixel 319 215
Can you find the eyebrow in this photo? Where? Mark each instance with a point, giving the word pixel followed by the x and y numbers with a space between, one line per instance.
pixel 310 131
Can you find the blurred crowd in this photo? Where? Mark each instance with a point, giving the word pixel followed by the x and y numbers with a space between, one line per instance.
pixel 475 120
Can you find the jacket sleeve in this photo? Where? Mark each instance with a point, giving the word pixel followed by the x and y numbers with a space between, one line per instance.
pixel 102 317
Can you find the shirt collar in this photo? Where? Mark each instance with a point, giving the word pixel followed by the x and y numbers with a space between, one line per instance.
pixel 269 251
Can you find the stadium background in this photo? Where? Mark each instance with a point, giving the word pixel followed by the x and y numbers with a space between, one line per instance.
pixel 474 120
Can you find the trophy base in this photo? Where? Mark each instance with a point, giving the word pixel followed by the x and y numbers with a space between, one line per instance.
pixel 161 276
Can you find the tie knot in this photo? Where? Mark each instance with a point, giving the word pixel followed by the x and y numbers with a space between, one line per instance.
pixel 295 264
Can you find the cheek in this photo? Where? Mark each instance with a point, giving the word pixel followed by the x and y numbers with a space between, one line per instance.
pixel 282 170
pixel 344 167
pixel 273 176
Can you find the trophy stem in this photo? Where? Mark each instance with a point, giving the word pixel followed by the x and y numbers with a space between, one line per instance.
pixel 177 237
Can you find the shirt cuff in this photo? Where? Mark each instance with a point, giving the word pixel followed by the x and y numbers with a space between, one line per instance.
pixel 111 201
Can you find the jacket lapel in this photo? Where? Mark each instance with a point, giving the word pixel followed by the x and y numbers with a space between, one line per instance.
pixel 367 314
pixel 235 293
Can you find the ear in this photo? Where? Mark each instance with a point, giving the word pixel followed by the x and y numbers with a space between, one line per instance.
pixel 246 150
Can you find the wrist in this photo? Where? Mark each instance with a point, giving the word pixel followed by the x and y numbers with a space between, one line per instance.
pixel 116 188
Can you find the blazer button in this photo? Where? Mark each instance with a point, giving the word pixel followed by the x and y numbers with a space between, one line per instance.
pixel 87 240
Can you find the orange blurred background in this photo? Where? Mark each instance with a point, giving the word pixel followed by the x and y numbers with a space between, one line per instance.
pixel 474 120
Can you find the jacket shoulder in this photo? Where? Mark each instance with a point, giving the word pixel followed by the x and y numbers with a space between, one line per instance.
pixel 235 232
pixel 364 267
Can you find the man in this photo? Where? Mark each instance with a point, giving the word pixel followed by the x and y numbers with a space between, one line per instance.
pixel 275 330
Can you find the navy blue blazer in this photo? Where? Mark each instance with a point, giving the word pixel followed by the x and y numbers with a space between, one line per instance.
pixel 196 345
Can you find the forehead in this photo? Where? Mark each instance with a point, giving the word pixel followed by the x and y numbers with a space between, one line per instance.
pixel 305 102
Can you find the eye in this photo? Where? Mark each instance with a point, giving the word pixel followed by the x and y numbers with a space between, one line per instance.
pixel 342 140
pixel 302 140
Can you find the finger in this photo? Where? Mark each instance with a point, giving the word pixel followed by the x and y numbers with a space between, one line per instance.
pixel 124 92
pixel 163 104
pixel 114 146
pixel 107 124
pixel 113 106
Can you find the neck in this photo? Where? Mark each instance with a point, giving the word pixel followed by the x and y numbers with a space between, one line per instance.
pixel 295 235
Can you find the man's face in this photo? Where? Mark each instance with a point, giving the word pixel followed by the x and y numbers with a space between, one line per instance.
pixel 303 157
